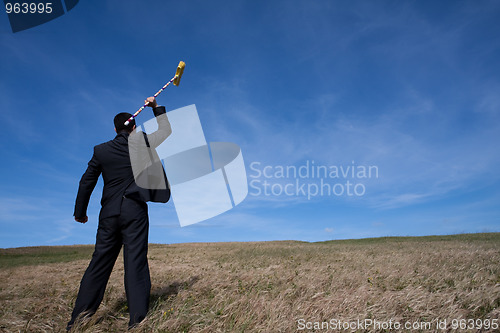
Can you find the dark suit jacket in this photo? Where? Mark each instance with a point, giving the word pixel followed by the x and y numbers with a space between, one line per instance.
pixel 112 159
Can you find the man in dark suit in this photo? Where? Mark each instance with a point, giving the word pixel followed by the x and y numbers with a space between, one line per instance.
pixel 123 219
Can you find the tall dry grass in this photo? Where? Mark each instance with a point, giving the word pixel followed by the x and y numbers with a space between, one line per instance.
pixel 274 286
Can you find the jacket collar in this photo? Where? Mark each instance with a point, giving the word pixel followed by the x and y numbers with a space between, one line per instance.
pixel 122 136
pixel 122 133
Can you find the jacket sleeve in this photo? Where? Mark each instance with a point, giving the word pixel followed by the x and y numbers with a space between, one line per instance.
pixel 164 128
pixel 87 185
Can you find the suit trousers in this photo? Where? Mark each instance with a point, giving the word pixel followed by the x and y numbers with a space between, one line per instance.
pixel 130 228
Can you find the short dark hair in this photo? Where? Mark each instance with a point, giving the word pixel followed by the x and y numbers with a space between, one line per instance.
pixel 120 120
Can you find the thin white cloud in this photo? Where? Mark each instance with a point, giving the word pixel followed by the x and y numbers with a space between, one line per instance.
pixel 414 166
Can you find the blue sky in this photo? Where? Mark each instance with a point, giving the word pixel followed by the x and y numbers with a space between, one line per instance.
pixel 411 87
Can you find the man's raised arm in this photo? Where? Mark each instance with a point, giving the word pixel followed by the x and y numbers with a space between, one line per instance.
pixel 164 128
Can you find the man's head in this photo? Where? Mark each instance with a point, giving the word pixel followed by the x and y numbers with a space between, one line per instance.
pixel 120 120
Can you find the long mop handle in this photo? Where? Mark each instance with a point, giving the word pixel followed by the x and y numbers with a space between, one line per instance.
pixel 176 79
pixel 144 106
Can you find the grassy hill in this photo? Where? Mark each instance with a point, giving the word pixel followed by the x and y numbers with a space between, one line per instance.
pixel 284 286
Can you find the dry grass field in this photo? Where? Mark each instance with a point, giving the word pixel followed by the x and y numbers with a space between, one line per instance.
pixel 284 286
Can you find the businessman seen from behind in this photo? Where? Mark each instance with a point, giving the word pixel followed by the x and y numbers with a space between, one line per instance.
pixel 123 219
